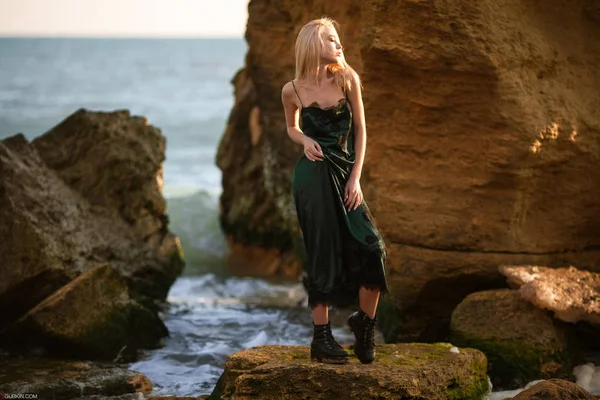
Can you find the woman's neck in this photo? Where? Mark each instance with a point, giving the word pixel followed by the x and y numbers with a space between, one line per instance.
pixel 323 75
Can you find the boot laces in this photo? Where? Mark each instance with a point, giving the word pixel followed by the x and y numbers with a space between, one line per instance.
pixel 369 332
pixel 329 339
pixel 327 336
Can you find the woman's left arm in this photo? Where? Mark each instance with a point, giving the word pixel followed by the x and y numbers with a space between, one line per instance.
pixel 353 194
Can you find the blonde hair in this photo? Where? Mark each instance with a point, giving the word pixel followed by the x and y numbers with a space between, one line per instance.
pixel 309 45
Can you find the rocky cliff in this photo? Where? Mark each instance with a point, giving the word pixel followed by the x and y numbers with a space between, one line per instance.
pixel 482 125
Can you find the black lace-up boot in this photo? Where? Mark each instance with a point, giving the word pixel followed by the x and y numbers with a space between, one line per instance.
pixel 324 348
pixel 363 328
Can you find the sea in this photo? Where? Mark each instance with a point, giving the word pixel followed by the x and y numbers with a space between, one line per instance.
pixel 183 87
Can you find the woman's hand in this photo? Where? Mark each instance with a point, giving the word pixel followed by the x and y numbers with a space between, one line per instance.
pixel 312 149
pixel 352 194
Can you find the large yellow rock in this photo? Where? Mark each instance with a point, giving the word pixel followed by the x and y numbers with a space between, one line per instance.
pixel 482 146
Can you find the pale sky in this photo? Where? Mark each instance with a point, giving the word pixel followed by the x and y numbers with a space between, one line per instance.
pixel 196 18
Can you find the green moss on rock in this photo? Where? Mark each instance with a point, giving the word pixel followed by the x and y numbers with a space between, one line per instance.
pixel 521 342
pixel 407 371
pixel 90 317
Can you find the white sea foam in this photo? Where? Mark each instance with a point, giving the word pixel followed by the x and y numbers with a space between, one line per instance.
pixel 588 377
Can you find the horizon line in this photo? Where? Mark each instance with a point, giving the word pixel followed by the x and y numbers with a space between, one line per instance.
pixel 113 36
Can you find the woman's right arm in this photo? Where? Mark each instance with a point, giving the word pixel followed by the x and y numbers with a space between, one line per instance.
pixel 291 114
pixel 312 149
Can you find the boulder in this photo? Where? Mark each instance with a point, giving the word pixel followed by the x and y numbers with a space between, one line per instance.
pixel 477 113
pixel 91 317
pixel 115 161
pixel 68 378
pixel 554 389
pixel 521 342
pixel 407 371
pixel 85 194
pixel 571 294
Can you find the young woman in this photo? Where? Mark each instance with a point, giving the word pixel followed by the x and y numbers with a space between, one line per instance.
pixel 346 254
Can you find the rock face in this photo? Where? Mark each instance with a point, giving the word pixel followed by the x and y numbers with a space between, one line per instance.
pixel 90 317
pixel 572 295
pixel 520 341
pixel 407 371
pixel 554 389
pixel 85 194
pixel 477 114
pixel 114 160
pixel 68 379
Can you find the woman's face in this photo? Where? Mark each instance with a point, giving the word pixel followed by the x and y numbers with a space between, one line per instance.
pixel 332 49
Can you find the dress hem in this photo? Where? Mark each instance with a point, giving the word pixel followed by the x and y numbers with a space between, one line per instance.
pixel 345 298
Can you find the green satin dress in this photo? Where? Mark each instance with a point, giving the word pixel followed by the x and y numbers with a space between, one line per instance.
pixel 344 249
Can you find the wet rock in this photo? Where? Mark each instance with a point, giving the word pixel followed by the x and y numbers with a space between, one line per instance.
pixel 554 389
pixel 571 294
pixel 115 161
pixel 90 317
pixel 102 202
pixel 521 342
pixel 407 371
pixel 85 194
pixel 67 379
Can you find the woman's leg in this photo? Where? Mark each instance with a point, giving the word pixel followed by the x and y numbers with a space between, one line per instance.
pixel 323 346
pixel 368 300
pixel 320 314
pixel 362 323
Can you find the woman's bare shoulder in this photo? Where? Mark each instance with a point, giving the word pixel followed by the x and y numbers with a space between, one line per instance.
pixel 287 89
pixel 354 80
pixel 288 94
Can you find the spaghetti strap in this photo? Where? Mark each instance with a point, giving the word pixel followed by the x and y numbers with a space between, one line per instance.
pixel 297 94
